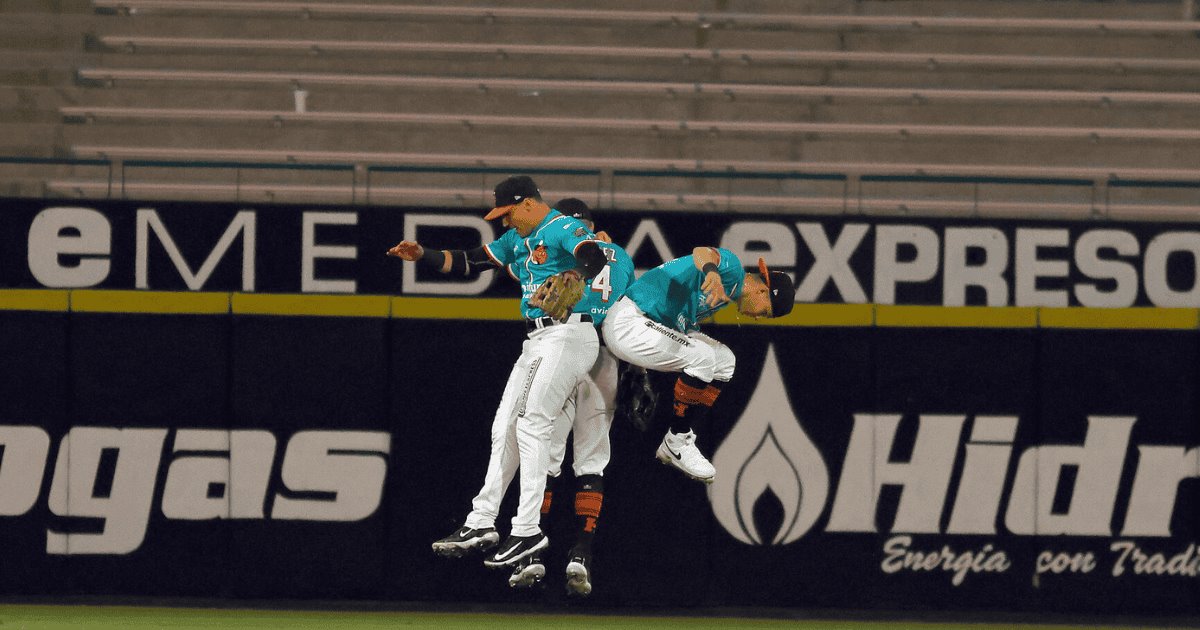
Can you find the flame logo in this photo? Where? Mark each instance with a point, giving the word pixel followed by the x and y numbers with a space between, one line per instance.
pixel 768 450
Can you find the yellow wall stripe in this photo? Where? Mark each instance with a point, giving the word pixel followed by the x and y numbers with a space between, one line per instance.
pixel 158 302
pixel 456 308
pixel 311 305
pixel 34 300
pixel 508 309
pixel 1121 318
pixel 805 315
pixel 891 315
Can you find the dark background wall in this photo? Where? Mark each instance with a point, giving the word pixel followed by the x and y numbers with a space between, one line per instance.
pixel 432 386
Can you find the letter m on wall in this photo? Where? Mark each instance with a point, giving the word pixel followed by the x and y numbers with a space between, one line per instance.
pixel 148 221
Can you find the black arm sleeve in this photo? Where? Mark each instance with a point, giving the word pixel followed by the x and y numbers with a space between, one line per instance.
pixel 478 260
pixel 589 259
pixel 462 263
pixel 433 259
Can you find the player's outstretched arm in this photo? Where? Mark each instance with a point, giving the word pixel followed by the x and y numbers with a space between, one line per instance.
pixel 454 261
pixel 407 250
pixel 706 260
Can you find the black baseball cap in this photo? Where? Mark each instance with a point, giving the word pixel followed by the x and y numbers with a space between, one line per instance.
pixel 511 192
pixel 780 288
pixel 573 207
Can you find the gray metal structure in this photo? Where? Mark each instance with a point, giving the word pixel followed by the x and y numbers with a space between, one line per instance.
pixel 1066 109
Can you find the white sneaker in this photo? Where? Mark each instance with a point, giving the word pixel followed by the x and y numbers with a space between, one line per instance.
pixel 679 450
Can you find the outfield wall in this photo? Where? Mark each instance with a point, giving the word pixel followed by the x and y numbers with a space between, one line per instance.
pixel 264 442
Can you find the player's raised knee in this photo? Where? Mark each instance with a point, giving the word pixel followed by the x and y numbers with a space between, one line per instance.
pixel 726 361
pixel 702 363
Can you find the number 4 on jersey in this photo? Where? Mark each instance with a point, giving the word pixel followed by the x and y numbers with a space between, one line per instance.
pixel 602 283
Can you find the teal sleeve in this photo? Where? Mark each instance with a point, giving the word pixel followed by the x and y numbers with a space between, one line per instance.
pixel 730 268
pixel 572 233
pixel 501 249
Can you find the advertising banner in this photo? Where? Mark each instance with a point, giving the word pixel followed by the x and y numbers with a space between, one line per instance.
pixel 848 259
pixel 1018 450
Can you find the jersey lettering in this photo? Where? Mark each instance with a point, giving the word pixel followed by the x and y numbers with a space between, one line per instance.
pixel 602 283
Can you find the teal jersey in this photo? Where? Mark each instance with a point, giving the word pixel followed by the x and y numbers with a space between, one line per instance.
pixel 609 285
pixel 670 293
pixel 549 249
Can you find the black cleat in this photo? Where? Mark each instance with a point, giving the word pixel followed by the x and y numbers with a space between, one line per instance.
pixel 465 541
pixel 515 548
pixel 528 572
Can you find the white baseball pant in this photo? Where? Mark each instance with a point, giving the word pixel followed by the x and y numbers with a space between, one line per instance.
pixel 553 360
pixel 588 415
pixel 635 338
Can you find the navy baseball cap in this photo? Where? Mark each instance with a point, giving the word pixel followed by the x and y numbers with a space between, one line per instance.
pixel 573 207
pixel 780 288
pixel 511 192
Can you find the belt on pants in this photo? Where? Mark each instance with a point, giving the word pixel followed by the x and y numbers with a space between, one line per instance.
pixel 538 323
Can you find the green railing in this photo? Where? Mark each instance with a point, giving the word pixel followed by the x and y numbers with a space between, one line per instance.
pixel 714 190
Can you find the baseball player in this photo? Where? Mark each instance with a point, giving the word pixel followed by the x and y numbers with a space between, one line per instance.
pixel 551 255
pixel 656 326
pixel 588 414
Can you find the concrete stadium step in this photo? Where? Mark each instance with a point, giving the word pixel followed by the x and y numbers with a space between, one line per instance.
pixel 1127 45
pixel 41 98
pixel 517 162
pixel 1163 9
pixel 42 168
pixel 366 84
pixel 545 16
pixel 53 60
pixel 392 30
pixel 474 28
pixel 1014 114
pixel 479 141
pixel 36 77
pixel 775 65
pixel 44 137
pixel 44 31
pixel 1037 79
pixel 521 103
pixel 1179 46
pixel 47 7
pixel 598 143
pixel 1000 151
pixel 786 202
pixel 563 70
pixel 906 49
pixel 1151 10
pixel 458 65
pixel 624 126
pixel 333 99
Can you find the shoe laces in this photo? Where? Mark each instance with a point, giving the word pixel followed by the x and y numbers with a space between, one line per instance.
pixel 681 440
pixel 691 455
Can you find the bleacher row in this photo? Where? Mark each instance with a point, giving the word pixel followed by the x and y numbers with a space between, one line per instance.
pixel 1025 91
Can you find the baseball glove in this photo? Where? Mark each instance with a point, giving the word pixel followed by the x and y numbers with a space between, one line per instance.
pixel 637 399
pixel 559 294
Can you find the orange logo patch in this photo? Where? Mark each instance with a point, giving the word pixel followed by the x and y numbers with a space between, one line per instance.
pixel 539 254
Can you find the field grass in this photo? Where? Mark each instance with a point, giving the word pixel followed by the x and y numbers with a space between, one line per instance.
pixel 27 617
